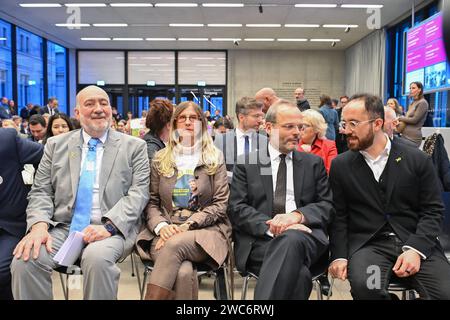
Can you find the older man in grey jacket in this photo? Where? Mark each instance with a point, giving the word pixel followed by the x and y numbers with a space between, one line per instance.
pixel 92 180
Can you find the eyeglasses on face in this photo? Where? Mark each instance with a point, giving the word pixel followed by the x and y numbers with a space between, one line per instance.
pixel 184 118
pixel 353 124
pixel 291 127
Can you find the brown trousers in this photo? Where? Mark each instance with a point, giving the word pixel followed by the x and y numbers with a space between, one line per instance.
pixel 173 267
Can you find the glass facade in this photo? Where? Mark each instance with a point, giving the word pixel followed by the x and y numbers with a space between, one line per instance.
pixel 30 68
pixel 6 71
pixel 57 74
pixel 38 72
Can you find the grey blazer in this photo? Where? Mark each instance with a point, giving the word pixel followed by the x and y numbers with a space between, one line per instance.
pixel 227 144
pixel 124 180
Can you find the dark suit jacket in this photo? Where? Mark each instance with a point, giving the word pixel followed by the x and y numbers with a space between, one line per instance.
pixel 412 203
pixel 46 110
pixel 154 144
pixel 227 143
pixel 251 200
pixel 14 153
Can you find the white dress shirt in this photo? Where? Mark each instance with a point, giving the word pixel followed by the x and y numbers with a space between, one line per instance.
pixel 274 163
pixel 240 139
pixel 96 213
pixel 378 164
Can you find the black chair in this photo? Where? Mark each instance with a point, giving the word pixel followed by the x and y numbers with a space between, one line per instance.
pixel 202 270
pixel 318 270
pixel 67 271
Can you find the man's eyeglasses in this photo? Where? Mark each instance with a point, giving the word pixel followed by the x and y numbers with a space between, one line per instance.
pixel 352 125
pixel 300 127
pixel 184 118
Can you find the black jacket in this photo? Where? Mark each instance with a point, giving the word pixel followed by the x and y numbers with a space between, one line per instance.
pixel 251 200
pixel 14 153
pixel 410 201
pixel 154 144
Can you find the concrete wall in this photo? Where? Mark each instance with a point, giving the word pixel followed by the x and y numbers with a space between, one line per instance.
pixel 285 70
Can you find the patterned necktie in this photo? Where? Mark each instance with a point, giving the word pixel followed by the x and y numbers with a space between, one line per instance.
pixel 83 205
pixel 279 198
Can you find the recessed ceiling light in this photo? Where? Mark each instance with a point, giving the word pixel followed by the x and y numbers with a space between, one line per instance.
pixel 40 5
pixel 223 5
pixel 176 5
pixel 159 39
pixel 72 25
pixel 343 26
pixel 259 39
pixel 110 24
pixel 186 25
pixel 85 5
pixel 263 25
pixel 292 40
pixel 310 5
pixel 325 40
pixel 193 39
pixel 225 25
pixel 226 39
pixel 131 5
pixel 296 25
pixel 362 6
pixel 128 39
pixel 99 39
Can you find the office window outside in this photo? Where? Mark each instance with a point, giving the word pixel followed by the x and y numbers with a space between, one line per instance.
pixel 57 74
pixel 30 69
pixel 5 60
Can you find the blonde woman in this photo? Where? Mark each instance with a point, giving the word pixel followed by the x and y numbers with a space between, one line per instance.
pixel 394 105
pixel 313 140
pixel 185 224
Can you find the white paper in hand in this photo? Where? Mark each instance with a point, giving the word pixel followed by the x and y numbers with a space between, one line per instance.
pixel 70 251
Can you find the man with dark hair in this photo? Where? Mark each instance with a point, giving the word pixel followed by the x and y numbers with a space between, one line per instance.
pixel 52 107
pixel 388 210
pixel 245 138
pixel 37 127
pixel 302 102
pixel 280 206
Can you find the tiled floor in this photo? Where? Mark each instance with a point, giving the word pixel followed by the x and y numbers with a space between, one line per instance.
pixel 128 287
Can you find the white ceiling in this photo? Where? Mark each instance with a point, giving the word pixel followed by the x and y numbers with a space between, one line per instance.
pixel 152 22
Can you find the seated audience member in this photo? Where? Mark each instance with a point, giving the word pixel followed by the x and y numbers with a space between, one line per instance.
pixel 245 138
pixel 158 122
pixel 183 229
pixel 313 140
pixel 280 207
pixel 15 152
pixel 390 125
pixel 93 181
pixel 58 124
pixel 388 211
pixel 37 127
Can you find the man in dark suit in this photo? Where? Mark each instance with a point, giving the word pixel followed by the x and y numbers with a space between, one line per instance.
pixel 245 138
pixel 14 152
pixel 388 211
pixel 51 108
pixel 280 206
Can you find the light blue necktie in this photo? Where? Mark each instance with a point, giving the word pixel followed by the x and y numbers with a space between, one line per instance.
pixel 83 205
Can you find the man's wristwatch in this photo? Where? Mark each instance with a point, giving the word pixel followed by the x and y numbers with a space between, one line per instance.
pixel 111 228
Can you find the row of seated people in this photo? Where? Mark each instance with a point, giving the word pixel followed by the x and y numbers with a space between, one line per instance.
pixel 380 206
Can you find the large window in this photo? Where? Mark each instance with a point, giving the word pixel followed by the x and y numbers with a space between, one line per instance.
pixel 30 69
pixel 57 74
pixel 202 68
pixel 5 60
pixel 151 67
pixel 106 67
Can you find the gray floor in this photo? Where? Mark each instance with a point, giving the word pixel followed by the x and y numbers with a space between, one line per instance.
pixel 128 287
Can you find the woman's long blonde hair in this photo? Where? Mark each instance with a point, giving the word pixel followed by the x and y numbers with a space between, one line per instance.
pixel 210 156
